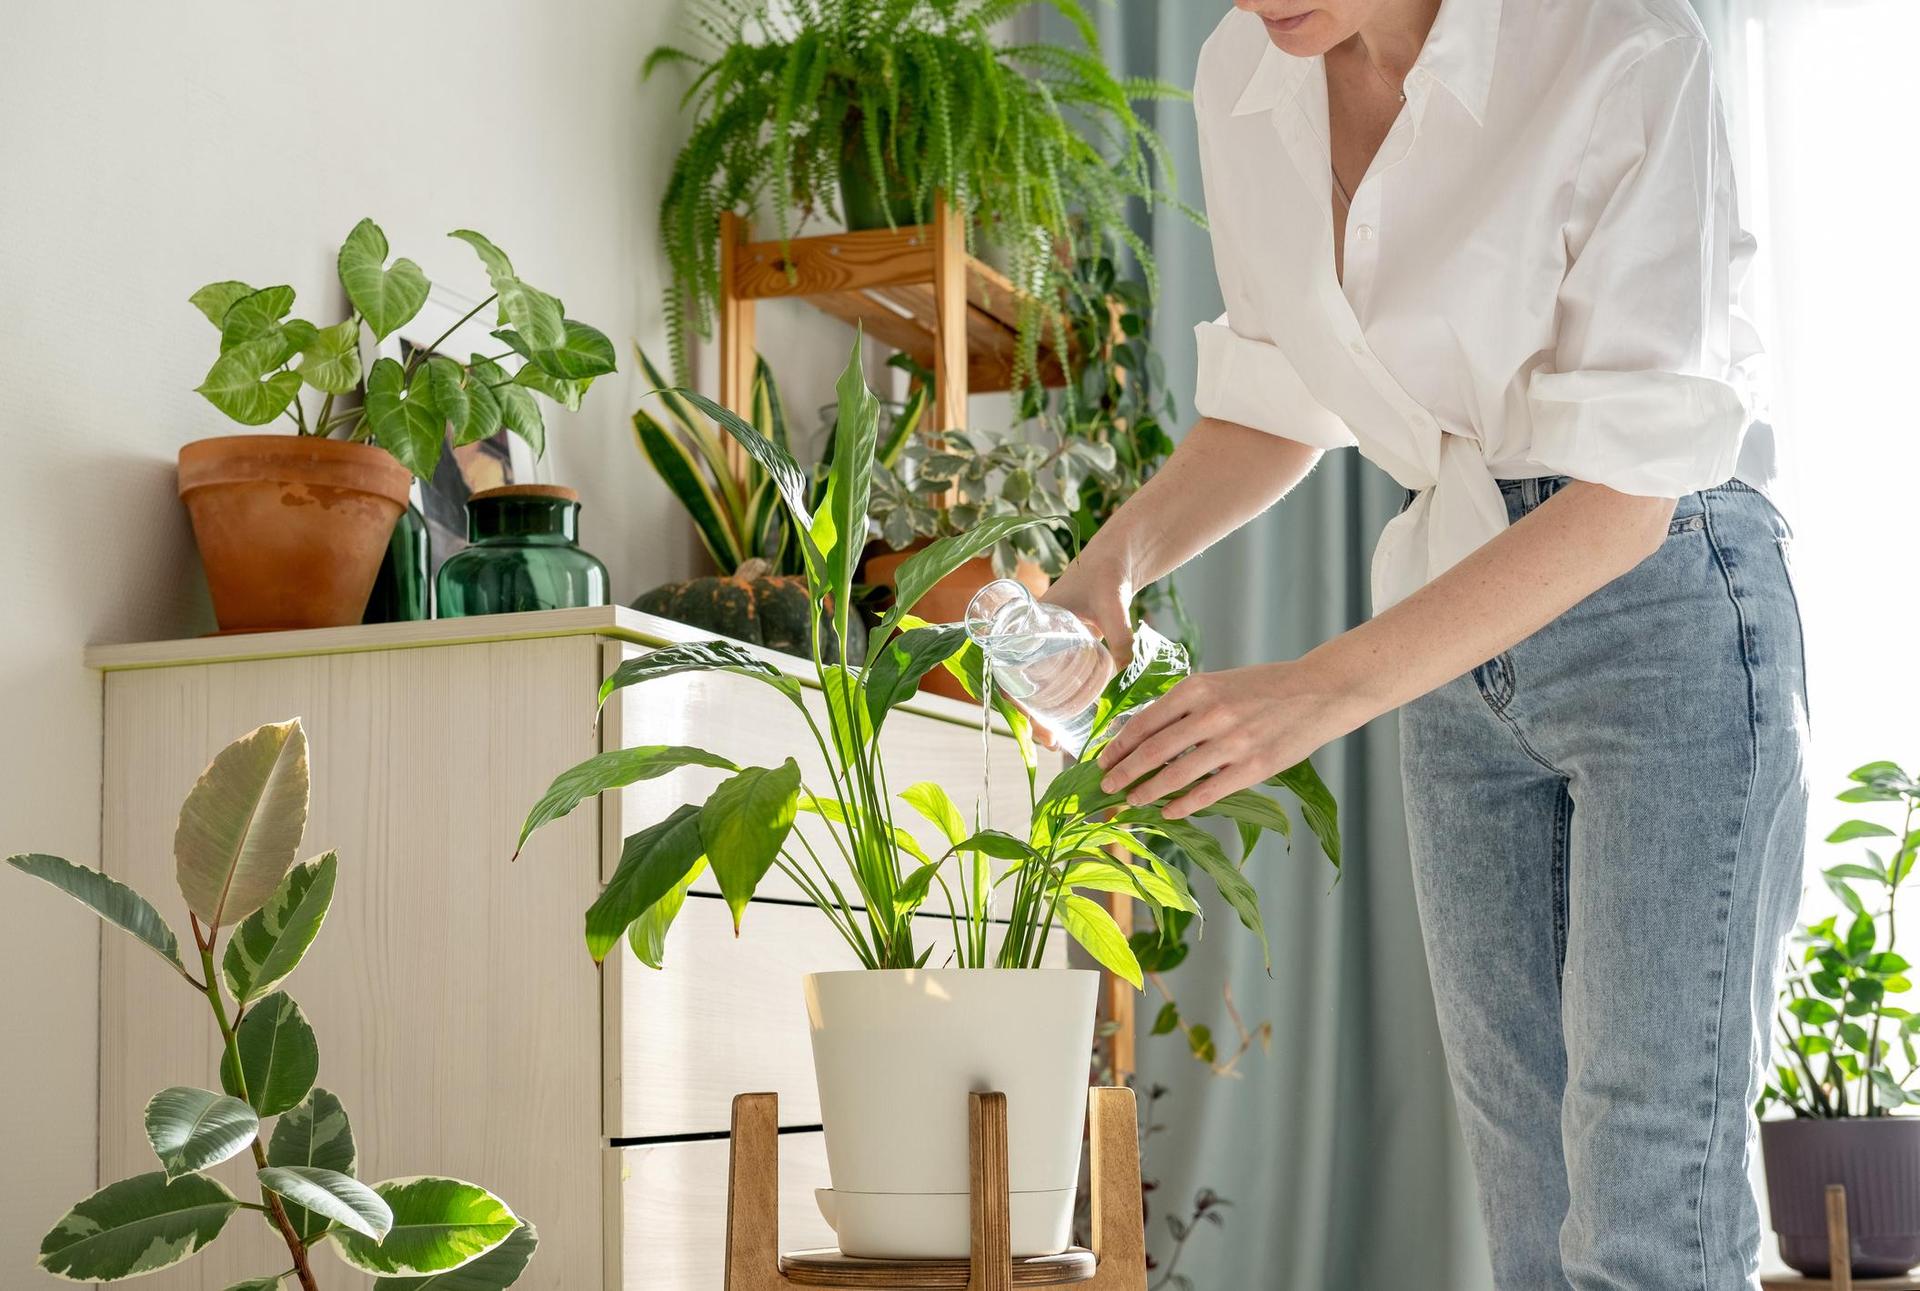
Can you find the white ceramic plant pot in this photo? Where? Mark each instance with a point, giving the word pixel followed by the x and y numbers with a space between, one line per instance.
pixel 896 1054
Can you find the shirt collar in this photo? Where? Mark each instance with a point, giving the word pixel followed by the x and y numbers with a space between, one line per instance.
pixel 1459 54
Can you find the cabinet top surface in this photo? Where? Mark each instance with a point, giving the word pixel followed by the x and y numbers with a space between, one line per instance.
pixel 611 622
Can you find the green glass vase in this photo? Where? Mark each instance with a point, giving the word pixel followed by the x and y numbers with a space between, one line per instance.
pixel 400 592
pixel 524 555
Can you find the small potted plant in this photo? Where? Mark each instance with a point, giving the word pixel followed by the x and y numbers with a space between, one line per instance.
pixel 1836 1068
pixel 927 1015
pixel 240 829
pixel 292 529
pixel 890 109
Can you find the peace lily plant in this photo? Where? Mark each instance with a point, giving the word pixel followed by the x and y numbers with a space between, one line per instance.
pixel 234 850
pixel 1079 838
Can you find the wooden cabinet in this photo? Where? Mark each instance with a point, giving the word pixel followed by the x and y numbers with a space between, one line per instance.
pixel 460 1019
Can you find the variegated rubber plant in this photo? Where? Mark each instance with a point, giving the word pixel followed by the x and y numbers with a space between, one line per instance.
pixel 1077 840
pixel 234 850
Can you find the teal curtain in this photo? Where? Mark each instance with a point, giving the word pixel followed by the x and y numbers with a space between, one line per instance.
pixel 1337 1148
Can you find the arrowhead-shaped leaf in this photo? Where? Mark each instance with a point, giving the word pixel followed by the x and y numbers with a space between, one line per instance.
pixel 438 1224
pixel 386 298
pixel 332 361
pixel 332 1195
pixel 279 1057
pixel 614 769
pixel 113 901
pixel 520 413
pixel 248 382
pixel 498 1269
pixel 404 419
pixel 652 864
pixel 216 298
pixel 192 1129
pixel 744 824
pixel 254 316
pixel 268 944
pixel 135 1226
pixel 446 390
pixel 582 354
pixel 242 822
pixel 315 1133
pixel 535 314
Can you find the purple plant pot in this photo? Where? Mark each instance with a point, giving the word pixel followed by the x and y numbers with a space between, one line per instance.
pixel 1877 1160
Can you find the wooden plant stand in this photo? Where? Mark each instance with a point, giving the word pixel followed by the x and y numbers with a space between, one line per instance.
pixel 1840 1255
pixel 1117 1262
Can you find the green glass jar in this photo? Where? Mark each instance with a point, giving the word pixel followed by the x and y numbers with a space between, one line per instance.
pixel 400 591
pixel 525 555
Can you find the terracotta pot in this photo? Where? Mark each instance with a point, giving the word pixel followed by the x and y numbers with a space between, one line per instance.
pixel 291 529
pixel 946 601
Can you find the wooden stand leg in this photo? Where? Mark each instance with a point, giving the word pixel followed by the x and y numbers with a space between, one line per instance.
pixel 950 312
pixel 753 1196
pixel 1839 1240
pixel 990 1201
pixel 737 343
pixel 1119 1234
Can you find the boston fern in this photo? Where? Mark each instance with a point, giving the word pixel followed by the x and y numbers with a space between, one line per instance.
pixel 911 100
pixel 1839 1027
pixel 268 359
pixel 240 829
pixel 1078 839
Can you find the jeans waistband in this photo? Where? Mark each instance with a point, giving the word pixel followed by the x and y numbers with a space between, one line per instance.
pixel 1530 493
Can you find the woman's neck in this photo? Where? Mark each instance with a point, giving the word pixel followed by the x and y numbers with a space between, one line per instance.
pixel 1391 39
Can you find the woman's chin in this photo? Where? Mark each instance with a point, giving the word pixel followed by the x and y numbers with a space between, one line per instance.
pixel 1305 35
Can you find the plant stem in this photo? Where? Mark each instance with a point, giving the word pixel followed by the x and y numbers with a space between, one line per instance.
pixel 326 410
pixel 433 346
pixel 228 1034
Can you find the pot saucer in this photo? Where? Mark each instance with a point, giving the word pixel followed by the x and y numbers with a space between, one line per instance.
pixel 934 1225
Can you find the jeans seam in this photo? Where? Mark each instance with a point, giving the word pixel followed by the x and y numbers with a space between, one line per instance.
pixel 1510 684
pixel 1562 829
pixel 1726 910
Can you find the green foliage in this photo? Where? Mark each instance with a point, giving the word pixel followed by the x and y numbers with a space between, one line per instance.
pixel 239 830
pixel 1073 842
pixel 1839 1026
pixel 407 408
pixel 904 101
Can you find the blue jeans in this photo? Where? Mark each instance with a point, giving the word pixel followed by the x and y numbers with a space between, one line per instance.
pixel 1607 825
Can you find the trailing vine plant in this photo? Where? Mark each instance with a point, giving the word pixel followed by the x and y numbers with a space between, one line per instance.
pixel 910 102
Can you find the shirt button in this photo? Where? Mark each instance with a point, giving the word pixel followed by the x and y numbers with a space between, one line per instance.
pixel 1357 346
pixel 1364 233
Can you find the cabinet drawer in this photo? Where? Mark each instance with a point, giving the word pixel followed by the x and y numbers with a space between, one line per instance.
pixel 753 724
pixel 726 1016
pixel 667 1211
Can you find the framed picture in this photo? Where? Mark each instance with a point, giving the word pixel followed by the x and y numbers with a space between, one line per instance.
pixel 503 458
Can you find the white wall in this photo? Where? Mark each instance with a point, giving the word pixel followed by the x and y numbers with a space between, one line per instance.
pixel 148 148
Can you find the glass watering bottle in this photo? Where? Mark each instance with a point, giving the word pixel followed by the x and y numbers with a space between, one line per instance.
pixel 1042 657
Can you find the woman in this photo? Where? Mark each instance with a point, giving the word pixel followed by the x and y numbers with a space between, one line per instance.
pixel 1494 244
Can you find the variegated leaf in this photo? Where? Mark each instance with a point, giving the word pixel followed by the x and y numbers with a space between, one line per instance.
pixel 242 822
pixel 268 944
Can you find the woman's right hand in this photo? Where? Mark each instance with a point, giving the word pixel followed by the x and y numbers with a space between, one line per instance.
pixel 1100 593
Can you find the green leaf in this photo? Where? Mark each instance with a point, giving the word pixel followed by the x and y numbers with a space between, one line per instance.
pixel 498 1269
pixel 1256 811
pixel 1852 871
pixel 582 354
pixel 998 844
pixel 855 434
pixel 447 393
pixel 1076 791
pixel 1891 1095
pixel 1155 667
pixel 1861 936
pixel 779 465
pixel 520 413
pixel 483 406
pixel 269 943
pixel 532 312
pixel 332 1195
pixel 937 806
pixel 1167 1019
pixel 387 298
pixel 1887 962
pixel 246 382
pixel 216 298
pixel 1200 1042
pixel 1205 852
pixel 1089 924
pixel 614 769
pixel 680 470
pixel 191 1129
pixel 913 889
pixel 1853 829
pixel 568 394
pixel 135 1226
pixel 438 1224
pixel 112 900
pixel 744 824
pixel 316 1133
pixel 1813 1012
pixel 257 1284
pixel 1845 894
pixel 700 656
pixel 331 361
pixel 279 1057
pixel 648 933
pixel 1111 874
pixel 919 572
pixel 653 863
pixel 893 675
pixel 1317 806
pixel 403 417
pixel 252 317
pixel 242 822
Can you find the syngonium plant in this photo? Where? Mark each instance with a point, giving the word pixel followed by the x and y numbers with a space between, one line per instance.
pixel 234 850
pixel 267 358
pixel 1078 838
pixel 1839 1028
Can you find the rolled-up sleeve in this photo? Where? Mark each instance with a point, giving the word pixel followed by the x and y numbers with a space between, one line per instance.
pixel 1254 384
pixel 1634 395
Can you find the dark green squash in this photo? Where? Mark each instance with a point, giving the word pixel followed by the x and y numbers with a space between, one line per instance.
pixel 753 605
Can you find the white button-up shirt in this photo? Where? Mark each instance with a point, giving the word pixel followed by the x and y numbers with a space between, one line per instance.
pixel 1541 266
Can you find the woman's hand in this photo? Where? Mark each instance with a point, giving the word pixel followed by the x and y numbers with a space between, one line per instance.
pixel 1099 592
pixel 1235 728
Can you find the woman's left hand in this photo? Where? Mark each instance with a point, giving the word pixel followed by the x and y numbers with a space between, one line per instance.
pixel 1235 727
